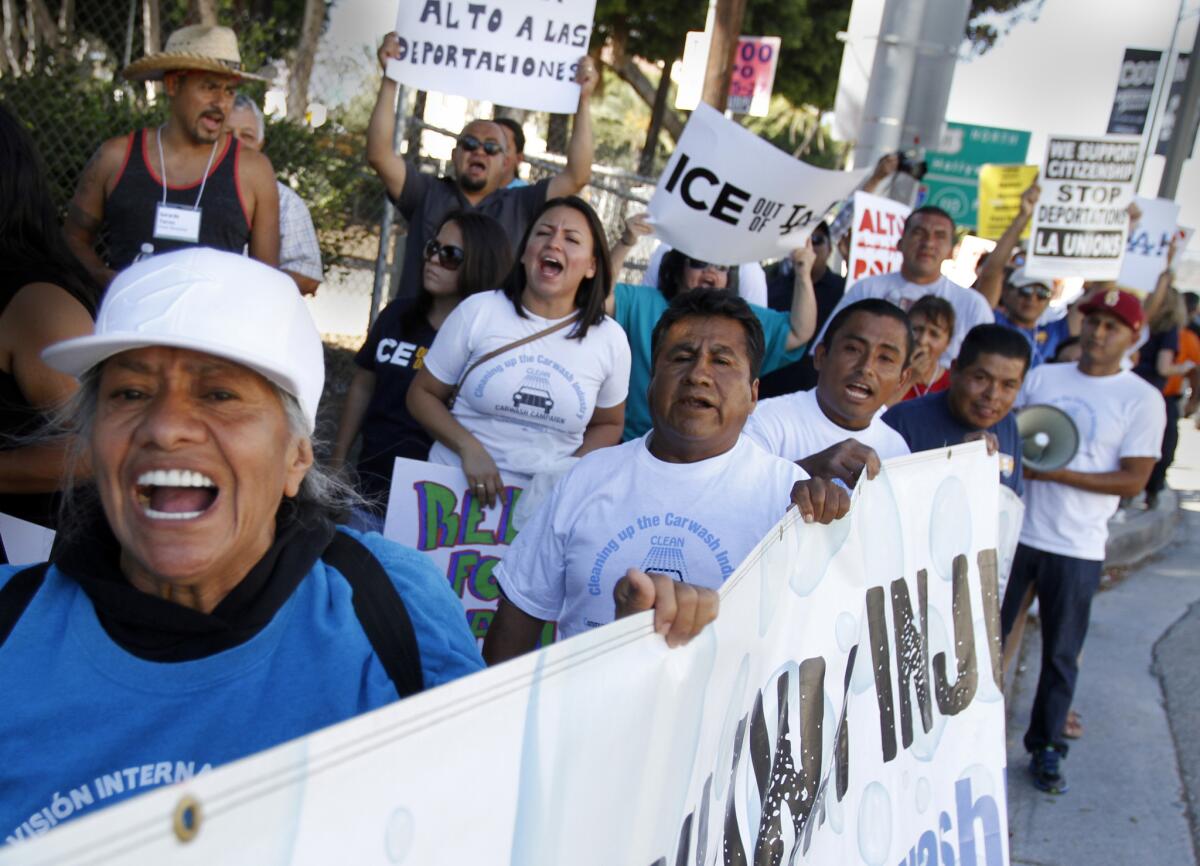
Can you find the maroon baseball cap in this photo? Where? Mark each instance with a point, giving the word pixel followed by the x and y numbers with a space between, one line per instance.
pixel 1124 305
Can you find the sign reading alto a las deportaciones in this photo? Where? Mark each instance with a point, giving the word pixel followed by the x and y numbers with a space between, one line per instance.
pixel 522 53
pixel 1081 220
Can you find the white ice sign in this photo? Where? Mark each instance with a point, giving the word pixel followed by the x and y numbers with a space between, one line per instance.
pixel 729 197
pixel 521 53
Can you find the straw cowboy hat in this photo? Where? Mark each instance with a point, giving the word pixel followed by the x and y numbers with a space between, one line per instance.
pixel 201 47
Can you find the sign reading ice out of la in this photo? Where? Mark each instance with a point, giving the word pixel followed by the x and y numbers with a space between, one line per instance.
pixel 522 53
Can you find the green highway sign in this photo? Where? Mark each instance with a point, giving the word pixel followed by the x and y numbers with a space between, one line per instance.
pixel 952 181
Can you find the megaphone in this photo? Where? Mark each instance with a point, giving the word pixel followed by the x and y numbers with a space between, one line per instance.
pixel 1049 438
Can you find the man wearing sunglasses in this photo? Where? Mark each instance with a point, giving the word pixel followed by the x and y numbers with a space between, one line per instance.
pixel 481 160
pixel 1022 304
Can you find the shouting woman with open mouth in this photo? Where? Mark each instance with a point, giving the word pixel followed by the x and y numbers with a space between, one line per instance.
pixel 201 605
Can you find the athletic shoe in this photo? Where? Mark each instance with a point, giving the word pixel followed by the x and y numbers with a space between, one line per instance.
pixel 1047 773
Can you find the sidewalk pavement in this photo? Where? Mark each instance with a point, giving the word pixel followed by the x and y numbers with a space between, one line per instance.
pixel 1128 804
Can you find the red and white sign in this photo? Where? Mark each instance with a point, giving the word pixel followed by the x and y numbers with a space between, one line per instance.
pixel 878 224
pixel 753 75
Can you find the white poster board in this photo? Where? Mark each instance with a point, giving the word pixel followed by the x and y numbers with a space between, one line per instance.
pixel 25 543
pixel 877 227
pixel 521 53
pixel 1148 242
pixel 729 197
pixel 844 708
pixel 433 509
pixel 1080 223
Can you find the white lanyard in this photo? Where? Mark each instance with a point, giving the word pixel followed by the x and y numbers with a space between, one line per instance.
pixel 162 168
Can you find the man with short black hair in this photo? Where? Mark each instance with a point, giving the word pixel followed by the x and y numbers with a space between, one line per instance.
pixel 514 153
pixel 661 520
pixel 985 380
pixel 927 241
pixel 186 183
pixel 862 360
pixel 1120 419
pixel 480 159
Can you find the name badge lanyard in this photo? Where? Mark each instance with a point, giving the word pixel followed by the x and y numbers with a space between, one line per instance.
pixel 179 222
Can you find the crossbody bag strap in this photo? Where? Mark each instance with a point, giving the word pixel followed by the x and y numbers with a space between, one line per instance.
pixel 380 611
pixel 515 344
pixel 16 595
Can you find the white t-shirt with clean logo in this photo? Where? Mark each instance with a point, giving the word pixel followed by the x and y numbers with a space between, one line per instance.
pixel 794 427
pixel 970 309
pixel 622 508
pixel 549 387
pixel 1117 416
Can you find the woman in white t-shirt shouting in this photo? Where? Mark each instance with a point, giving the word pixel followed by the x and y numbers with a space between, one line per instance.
pixel 534 372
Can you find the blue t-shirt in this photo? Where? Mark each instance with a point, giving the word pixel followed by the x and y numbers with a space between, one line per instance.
pixel 1043 339
pixel 926 423
pixel 87 724
pixel 638 309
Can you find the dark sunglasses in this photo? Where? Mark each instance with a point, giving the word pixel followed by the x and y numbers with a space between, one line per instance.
pixel 697 265
pixel 819 240
pixel 470 144
pixel 1042 292
pixel 447 255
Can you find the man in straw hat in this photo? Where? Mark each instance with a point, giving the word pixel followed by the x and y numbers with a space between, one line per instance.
pixel 188 182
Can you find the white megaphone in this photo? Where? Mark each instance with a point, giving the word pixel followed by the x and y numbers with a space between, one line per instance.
pixel 1049 438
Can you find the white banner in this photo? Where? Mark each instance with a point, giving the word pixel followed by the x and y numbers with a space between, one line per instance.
pixel 1146 248
pixel 521 53
pixel 433 509
pixel 1080 222
pixel 843 709
pixel 730 197
pixel 877 227
pixel 24 543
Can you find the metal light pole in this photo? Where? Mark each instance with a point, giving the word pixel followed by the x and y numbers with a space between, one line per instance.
pixel 1183 136
pixel 1162 87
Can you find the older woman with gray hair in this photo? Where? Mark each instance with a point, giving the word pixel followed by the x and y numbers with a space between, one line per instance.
pixel 200 605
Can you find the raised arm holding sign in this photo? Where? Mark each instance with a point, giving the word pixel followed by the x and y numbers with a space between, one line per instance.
pixel 479 168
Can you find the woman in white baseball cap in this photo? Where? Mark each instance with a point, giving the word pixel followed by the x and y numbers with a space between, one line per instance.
pixel 201 605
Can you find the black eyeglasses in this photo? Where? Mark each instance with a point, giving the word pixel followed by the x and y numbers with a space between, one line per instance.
pixel 470 144
pixel 447 255
pixel 819 240
pixel 1042 292
pixel 697 265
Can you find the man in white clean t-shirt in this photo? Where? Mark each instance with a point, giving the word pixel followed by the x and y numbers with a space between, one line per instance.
pixel 861 361
pixel 662 520
pixel 928 240
pixel 1120 419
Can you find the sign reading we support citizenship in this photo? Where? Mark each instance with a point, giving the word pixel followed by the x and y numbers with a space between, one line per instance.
pixel 1149 240
pixel 1000 189
pixel 433 509
pixel 844 707
pixel 521 53
pixel 952 181
pixel 1080 222
pixel 877 227
pixel 729 197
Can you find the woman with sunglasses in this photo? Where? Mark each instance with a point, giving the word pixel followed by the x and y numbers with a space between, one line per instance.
pixel 469 253
pixel 535 372
pixel 638 308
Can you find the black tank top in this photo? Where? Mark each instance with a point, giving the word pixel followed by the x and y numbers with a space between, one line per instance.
pixel 129 210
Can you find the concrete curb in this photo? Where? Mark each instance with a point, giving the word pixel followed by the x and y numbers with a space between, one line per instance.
pixel 1142 533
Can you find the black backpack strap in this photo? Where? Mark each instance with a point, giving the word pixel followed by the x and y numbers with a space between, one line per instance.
pixel 380 611
pixel 16 595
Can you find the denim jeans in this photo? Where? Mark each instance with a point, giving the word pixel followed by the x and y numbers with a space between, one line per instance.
pixel 1064 588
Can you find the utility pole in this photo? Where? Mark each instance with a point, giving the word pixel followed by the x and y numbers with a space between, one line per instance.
pixel 1183 136
pixel 726 28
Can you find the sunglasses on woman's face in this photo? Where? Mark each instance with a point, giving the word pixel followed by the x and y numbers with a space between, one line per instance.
pixel 697 265
pixel 447 255
pixel 1042 292
pixel 470 144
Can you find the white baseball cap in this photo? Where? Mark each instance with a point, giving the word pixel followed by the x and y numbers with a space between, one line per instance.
pixel 219 303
